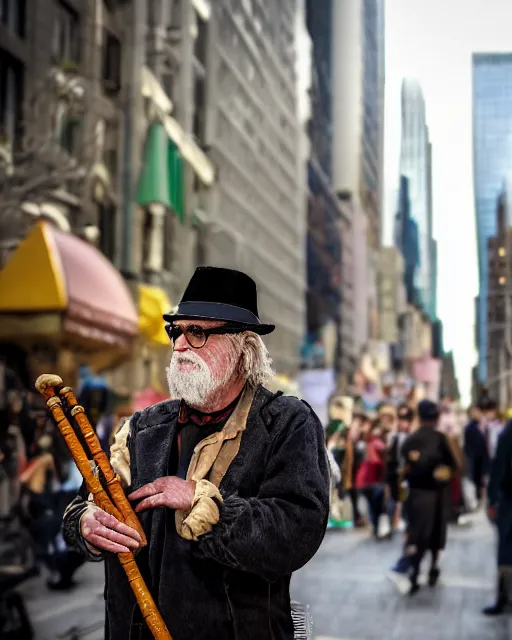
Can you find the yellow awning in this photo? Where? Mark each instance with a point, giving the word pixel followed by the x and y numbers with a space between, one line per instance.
pixel 55 284
pixel 153 303
pixel 33 280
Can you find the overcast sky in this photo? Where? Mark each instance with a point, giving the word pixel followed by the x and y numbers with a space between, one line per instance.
pixel 432 40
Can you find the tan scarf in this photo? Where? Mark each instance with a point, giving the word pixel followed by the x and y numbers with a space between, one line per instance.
pixel 210 461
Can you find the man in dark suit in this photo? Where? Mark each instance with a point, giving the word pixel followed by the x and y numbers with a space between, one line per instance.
pixel 476 448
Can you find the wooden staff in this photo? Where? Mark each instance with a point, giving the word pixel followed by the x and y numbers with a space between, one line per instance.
pixel 112 500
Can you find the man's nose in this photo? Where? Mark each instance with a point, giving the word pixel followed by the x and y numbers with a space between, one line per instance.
pixel 181 344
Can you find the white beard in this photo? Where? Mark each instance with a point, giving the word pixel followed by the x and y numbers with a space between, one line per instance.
pixel 198 387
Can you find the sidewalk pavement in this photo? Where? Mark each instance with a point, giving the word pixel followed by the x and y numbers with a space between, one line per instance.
pixel 76 615
pixel 351 599
pixel 346 588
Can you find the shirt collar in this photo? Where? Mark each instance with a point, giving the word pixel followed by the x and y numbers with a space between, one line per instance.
pixel 189 414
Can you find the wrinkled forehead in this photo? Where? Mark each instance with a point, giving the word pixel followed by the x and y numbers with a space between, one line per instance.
pixel 204 324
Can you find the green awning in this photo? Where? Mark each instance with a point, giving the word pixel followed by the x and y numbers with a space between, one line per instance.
pixel 154 179
pixel 176 180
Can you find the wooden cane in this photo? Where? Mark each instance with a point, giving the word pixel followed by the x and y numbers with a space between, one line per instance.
pixel 112 500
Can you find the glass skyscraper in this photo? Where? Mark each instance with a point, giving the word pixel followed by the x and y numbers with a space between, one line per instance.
pixel 415 165
pixel 406 239
pixel 323 241
pixel 492 162
pixel 373 115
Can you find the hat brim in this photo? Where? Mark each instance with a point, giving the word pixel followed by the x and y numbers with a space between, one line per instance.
pixel 261 329
pixel 213 311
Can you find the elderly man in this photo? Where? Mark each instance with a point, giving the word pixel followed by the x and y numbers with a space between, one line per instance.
pixel 231 481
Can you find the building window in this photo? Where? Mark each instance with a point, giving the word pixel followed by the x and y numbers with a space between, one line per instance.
pixel 200 42
pixel 12 14
pixel 111 73
pixel 110 153
pixel 11 96
pixel 199 110
pixel 200 257
pixel 168 235
pixel 168 83
pixel 146 238
pixel 107 227
pixel 69 135
pixel 66 36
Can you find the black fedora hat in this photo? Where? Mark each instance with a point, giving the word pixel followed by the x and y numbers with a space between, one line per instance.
pixel 214 293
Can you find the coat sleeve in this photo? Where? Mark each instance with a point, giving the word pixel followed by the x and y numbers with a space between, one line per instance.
pixel 71 526
pixel 76 509
pixel 278 531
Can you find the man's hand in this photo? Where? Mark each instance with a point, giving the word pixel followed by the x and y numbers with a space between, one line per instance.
pixel 491 513
pixel 105 532
pixel 170 491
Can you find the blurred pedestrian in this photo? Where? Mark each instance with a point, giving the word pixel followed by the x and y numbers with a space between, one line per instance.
pixel 339 444
pixel 398 431
pixel 475 446
pixel 13 456
pixel 359 430
pixel 430 465
pixel 449 426
pixel 370 477
pixel 499 510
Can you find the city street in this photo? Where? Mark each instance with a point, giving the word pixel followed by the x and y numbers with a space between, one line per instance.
pixel 351 599
pixel 346 586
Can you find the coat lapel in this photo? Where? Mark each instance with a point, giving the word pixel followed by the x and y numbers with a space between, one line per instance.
pixel 153 443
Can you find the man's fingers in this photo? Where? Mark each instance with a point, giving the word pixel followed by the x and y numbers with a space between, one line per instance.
pixel 158 500
pixel 109 534
pixel 107 545
pixel 145 491
pixel 111 522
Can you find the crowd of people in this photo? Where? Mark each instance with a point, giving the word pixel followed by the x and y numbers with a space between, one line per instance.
pixel 414 469
pixel 38 479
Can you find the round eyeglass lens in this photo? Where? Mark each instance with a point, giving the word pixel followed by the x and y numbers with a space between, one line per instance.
pixel 195 336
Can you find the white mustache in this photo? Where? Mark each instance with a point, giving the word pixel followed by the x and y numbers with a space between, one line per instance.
pixel 190 359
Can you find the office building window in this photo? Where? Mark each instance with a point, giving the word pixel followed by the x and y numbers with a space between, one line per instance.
pixel 110 153
pixel 12 14
pixel 70 134
pixel 168 241
pixel 200 42
pixel 66 36
pixel 147 227
pixel 11 96
pixel 111 73
pixel 200 252
pixel 199 110
pixel 107 227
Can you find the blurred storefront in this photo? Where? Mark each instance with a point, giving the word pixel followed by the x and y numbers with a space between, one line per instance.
pixel 141 380
pixel 63 304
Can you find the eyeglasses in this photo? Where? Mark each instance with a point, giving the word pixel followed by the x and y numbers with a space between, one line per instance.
pixel 197 336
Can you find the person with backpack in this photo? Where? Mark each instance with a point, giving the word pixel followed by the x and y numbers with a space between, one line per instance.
pixel 430 464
